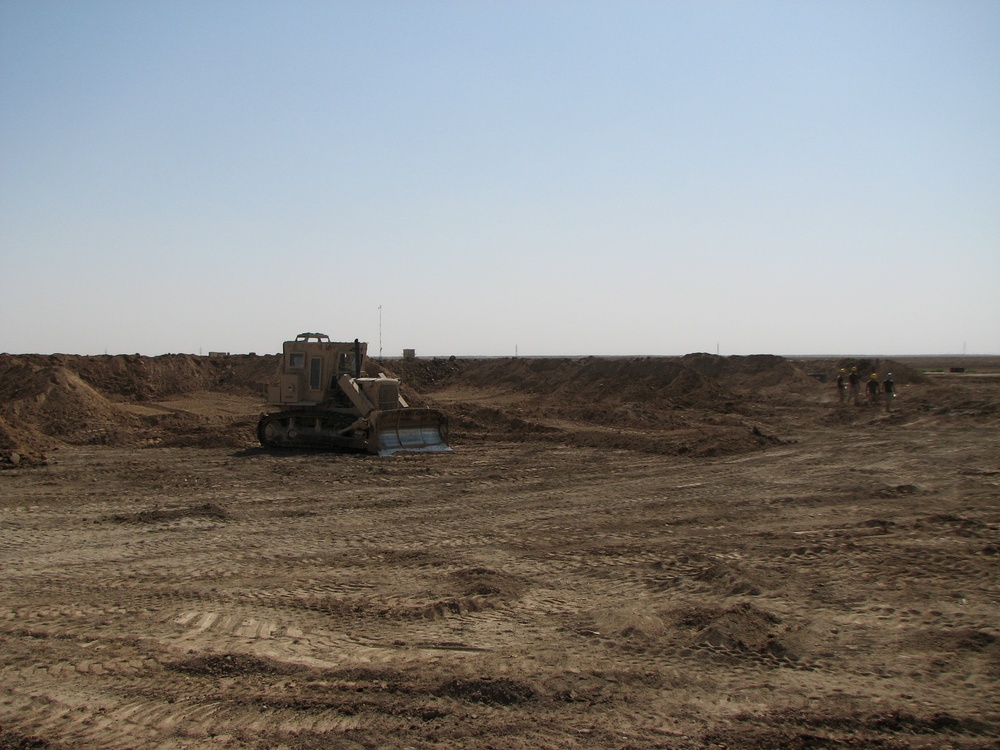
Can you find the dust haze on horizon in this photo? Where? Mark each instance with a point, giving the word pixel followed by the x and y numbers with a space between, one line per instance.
pixel 491 179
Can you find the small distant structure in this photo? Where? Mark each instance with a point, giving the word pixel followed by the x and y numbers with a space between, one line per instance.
pixel 218 354
pixel 409 353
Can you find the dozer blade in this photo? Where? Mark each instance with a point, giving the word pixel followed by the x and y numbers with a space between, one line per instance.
pixel 414 430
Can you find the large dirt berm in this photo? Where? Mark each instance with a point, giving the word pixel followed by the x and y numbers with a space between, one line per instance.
pixel 700 403
pixel 47 400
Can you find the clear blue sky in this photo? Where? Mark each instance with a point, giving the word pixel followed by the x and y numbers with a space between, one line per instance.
pixel 546 178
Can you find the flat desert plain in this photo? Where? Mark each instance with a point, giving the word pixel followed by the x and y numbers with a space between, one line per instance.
pixel 696 552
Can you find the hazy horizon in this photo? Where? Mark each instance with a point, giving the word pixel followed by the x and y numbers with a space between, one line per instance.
pixel 374 354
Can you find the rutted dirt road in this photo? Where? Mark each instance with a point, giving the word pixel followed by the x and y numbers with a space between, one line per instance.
pixel 840 588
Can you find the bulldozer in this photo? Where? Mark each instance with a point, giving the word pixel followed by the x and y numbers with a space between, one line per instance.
pixel 326 400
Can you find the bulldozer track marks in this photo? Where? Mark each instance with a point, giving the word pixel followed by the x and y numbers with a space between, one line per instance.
pixel 262 600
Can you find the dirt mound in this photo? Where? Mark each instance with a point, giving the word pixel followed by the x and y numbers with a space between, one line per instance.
pixel 49 400
pixel 698 406
pixel 743 627
pixel 692 381
pixel 137 378
pixel 590 379
pixel 43 405
pixel 132 377
pixel 753 373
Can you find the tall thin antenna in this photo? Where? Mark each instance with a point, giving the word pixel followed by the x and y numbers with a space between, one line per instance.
pixel 380 331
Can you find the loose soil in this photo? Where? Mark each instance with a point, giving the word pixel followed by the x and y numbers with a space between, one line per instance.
pixel 693 552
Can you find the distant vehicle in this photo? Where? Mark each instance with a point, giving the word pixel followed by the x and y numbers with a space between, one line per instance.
pixel 326 400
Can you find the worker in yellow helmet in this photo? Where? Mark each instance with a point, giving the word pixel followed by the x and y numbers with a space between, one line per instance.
pixel 855 380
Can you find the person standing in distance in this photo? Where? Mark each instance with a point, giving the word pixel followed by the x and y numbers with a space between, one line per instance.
pixel 855 381
pixel 872 389
pixel 889 388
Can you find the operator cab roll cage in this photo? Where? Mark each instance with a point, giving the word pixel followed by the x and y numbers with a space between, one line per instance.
pixel 313 336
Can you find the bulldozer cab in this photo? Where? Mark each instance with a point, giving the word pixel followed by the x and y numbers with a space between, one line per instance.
pixel 311 366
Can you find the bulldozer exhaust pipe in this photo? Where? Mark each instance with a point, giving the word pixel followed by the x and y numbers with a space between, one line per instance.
pixel 357 359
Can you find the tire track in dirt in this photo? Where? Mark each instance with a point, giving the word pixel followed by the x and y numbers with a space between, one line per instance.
pixel 614 589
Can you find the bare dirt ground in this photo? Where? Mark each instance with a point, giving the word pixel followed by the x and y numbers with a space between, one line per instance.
pixel 697 552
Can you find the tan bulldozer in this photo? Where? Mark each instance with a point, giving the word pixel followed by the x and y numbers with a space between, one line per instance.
pixel 325 399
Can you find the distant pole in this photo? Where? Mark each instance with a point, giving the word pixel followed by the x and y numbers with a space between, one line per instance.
pixel 380 331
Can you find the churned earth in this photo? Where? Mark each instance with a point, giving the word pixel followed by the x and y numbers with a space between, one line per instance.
pixel 686 552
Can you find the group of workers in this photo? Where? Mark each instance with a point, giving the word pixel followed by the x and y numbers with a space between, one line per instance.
pixel 873 389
